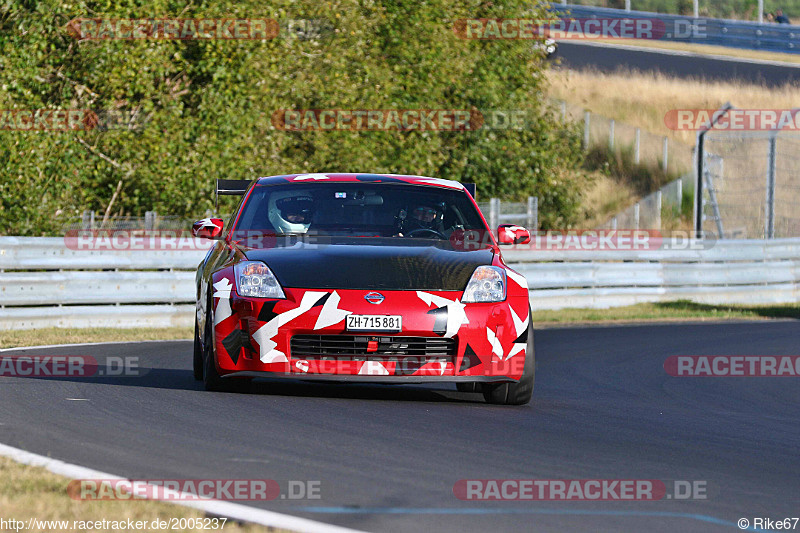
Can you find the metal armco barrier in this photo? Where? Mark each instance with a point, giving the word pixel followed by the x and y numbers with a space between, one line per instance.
pixel 720 32
pixel 45 284
pixel 722 272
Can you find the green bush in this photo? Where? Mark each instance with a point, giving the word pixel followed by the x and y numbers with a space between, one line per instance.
pixel 206 106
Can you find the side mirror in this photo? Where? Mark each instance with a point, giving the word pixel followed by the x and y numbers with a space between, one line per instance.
pixel 512 234
pixel 208 228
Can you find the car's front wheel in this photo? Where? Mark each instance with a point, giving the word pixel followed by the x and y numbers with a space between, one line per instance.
pixel 211 379
pixel 519 392
pixel 198 355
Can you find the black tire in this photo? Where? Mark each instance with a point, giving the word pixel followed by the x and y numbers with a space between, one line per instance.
pixel 467 386
pixel 211 379
pixel 198 355
pixel 517 392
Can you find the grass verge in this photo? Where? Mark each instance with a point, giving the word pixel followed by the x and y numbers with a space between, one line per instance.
pixel 32 492
pixel 33 337
pixel 678 310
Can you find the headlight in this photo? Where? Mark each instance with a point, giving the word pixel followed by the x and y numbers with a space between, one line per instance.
pixel 487 284
pixel 255 279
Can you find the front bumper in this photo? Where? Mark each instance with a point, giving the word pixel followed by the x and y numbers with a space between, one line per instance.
pixel 468 342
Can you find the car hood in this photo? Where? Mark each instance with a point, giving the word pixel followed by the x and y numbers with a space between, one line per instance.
pixel 414 264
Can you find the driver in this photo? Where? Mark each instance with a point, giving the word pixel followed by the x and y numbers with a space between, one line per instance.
pixel 422 217
pixel 291 211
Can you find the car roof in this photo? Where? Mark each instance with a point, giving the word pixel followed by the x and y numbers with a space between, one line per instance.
pixel 360 177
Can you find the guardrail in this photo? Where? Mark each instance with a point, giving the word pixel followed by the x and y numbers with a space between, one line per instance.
pixel 720 32
pixel 44 283
pixel 725 272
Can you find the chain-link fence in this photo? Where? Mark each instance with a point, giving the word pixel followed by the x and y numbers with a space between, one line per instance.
pixel 525 214
pixel 92 220
pixel 660 210
pixel 641 146
pixel 751 184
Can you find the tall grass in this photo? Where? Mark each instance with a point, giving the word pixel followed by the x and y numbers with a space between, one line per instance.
pixel 642 99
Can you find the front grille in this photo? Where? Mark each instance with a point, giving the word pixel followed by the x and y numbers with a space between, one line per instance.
pixel 322 345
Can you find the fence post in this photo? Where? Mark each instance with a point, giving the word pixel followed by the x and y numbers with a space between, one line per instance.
pixel 769 204
pixel 533 213
pixel 680 193
pixel 666 153
pixel 614 223
pixel 699 169
pixel 636 142
pixel 586 118
pixel 611 134
pixel 636 215
pixel 149 220
pixel 563 110
pixel 87 221
pixel 627 5
pixel 658 210
pixel 494 213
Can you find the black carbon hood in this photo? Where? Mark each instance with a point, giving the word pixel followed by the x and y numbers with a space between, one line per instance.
pixel 386 264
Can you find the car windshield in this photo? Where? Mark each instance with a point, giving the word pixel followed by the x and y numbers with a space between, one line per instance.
pixel 359 209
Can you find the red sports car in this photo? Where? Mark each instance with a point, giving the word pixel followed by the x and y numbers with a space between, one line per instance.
pixel 362 277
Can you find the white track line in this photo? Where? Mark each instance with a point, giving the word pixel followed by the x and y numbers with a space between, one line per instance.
pixel 234 511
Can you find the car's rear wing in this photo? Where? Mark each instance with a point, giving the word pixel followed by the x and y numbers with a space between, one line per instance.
pixel 230 188
pixel 471 189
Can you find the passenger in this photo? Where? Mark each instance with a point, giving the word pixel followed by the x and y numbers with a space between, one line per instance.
pixel 425 221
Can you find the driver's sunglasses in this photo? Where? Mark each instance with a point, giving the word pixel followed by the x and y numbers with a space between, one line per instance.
pixel 425 211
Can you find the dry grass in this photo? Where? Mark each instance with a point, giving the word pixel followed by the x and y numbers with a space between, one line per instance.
pixel 33 492
pixel 604 198
pixel 30 337
pixel 642 99
pixel 678 310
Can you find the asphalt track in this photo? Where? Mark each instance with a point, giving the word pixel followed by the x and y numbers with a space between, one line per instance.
pixel 610 58
pixel 388 457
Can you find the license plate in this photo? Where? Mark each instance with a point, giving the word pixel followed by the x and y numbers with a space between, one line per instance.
pixel 374 322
